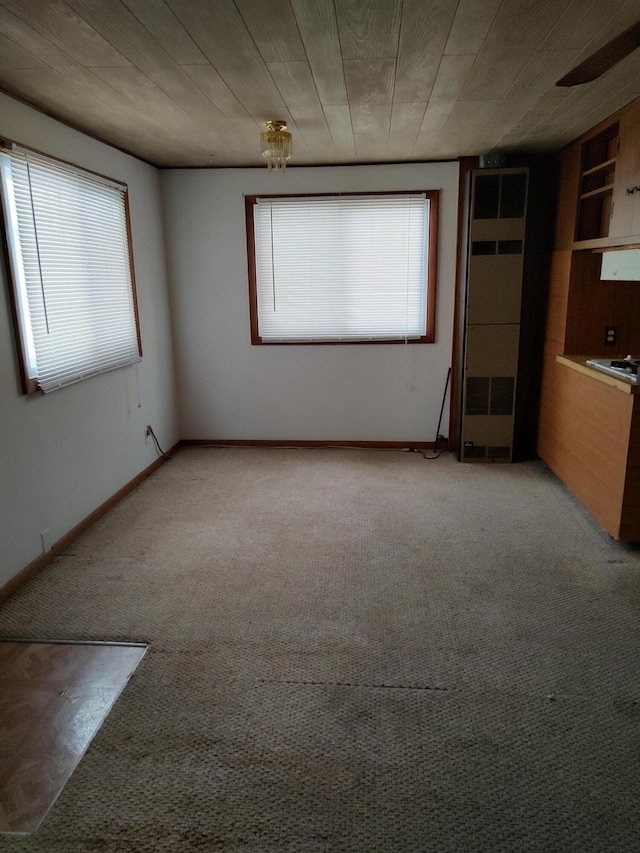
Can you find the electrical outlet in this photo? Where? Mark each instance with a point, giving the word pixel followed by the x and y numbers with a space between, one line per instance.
pixel 610 334
pixel 147 434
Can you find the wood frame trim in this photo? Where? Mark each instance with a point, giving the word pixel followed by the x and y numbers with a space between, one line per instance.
pixel 20 148
pixel 465 165
pixel 44 559
pixel 302 443
pixel 132 269
pixel 431 273
pixel 28 385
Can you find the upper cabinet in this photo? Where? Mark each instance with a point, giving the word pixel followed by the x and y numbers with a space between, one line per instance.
pixel 599 185
pixel 625 214
pixel 599 157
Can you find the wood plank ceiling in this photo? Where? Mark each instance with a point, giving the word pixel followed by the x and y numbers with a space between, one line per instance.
pixel 191 82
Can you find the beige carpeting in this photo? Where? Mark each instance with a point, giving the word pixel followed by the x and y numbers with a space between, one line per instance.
pixel 351 651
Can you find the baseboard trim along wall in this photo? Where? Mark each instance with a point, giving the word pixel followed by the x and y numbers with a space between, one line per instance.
pixel 268 442
pixel 44 559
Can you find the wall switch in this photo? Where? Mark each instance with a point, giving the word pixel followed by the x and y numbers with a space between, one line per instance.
pixel 610 334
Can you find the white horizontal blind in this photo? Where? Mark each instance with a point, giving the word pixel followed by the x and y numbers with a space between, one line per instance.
pixel 69 243
pixel 341 268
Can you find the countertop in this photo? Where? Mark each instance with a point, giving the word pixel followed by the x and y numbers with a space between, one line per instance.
pixel 578 362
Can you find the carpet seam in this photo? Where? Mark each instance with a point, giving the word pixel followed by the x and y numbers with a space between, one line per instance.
pixel 353 684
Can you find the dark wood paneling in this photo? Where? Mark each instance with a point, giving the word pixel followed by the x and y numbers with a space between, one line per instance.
pixel 595 305
pixel 557 301
pixel 569 187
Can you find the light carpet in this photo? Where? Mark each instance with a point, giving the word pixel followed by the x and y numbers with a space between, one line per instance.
pixel 351 651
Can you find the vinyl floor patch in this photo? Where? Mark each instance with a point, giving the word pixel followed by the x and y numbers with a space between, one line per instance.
pixel 53 699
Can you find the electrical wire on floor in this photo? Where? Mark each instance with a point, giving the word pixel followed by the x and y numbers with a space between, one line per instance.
pixel 437 453
pixel 157 444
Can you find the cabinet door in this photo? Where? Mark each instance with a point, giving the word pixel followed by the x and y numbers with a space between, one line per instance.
pixel 625 216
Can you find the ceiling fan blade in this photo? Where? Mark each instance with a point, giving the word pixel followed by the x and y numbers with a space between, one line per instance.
pixel 604 59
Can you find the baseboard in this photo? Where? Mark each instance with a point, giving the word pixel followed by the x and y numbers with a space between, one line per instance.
pixel 44 559
pixel 268 442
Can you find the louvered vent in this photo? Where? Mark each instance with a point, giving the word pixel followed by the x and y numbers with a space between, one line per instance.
pixel 509 247
pixel 499 452
pixel 477 400
pixel 483 247
pixel 489 395
pixel 475 451
pixel 502 388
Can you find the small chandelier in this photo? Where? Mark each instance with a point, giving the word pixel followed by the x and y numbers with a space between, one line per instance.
pixel 275 145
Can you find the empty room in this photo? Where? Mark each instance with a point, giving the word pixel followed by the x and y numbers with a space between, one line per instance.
pixel 320 458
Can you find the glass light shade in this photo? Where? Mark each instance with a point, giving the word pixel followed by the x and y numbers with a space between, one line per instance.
pixel 276 145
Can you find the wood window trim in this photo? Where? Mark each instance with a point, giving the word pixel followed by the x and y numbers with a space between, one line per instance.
pixel 27 384
pixel 432 268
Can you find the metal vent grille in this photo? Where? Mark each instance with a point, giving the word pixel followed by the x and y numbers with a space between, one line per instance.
pixel 513 194
pixel 489 395
pixel 499 452
pixel 510 247
pixel 502 388
pixel 477 398
pixel 483 247
pixel 475 451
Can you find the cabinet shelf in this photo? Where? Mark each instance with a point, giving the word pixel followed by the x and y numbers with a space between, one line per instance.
pixel 599 167
pixel 599 156
pixel 600 191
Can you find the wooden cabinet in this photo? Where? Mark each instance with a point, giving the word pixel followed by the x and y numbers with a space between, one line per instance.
pixel 590 437
pixel 589 427
pixel 567 197
pixel 625 215
pixel 599 192
pixel 597 176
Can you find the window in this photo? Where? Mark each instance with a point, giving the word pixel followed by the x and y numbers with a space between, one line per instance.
pixel 67 235
pixel 342 269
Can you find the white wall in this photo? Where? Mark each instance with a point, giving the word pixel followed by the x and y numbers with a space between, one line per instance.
pixel 229 389
pixel 63 454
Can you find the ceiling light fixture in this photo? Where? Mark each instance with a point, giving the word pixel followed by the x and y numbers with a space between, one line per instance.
pixel 275 145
